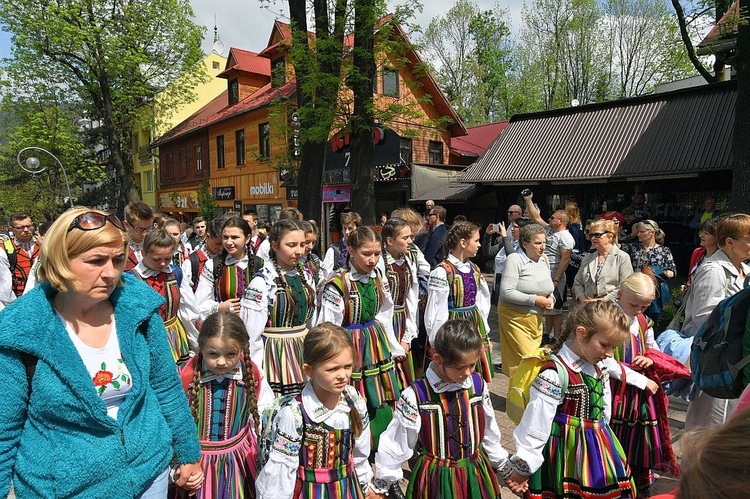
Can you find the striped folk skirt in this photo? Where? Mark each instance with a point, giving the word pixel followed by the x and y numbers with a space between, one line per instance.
pixel 229 466
pixel 327 483
pixel 405 368
pixel 582 458
pixel 470 478
pixel 375 379
pixel 178 341
pixel 282 359
pixel 635 422
pixel 472 314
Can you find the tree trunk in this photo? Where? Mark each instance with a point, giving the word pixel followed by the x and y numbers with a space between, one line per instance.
pixel 740 199
pixel 363 120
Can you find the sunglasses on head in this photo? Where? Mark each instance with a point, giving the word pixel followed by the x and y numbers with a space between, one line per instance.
pixel 92 220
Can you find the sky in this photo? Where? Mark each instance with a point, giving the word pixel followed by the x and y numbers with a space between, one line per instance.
pixel 247 24
pixel 252 30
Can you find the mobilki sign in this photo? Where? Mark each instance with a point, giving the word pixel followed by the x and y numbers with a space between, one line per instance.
pixel 261 189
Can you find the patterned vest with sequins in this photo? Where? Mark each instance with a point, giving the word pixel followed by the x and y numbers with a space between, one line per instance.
pixel 463 287
pixel 453 421
pixel 584 397
pixel 286 312
pixel 323 447
pixel 399 280
pixel 362 301
pixel 165 283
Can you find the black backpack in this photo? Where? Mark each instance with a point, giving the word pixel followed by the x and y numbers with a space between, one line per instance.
pixel 720 355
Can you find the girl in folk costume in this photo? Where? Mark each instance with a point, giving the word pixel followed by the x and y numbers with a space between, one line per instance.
pixel 156 269
pixel 173 227
pixel 281 301
pixel 401 272
pixel 312 261
pixel 449 413
pixel 640 420
pixel 322 436
pixel 360 300
pixel 224 281
pixel 567 424
pixel 226 392
pixel 457 290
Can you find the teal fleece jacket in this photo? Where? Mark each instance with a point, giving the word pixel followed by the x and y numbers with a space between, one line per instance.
pixel 59 442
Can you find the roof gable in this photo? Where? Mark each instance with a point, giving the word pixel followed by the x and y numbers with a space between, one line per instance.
pixel 686 131
pixel 246 62
pixel 477 139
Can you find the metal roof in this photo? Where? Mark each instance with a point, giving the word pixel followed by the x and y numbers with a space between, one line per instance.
pixel 451 193
pixel 682 132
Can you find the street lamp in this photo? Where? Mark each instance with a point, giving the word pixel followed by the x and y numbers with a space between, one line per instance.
pixel 33 166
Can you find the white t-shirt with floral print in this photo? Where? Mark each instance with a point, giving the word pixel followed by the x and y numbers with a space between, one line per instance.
pixel 109 374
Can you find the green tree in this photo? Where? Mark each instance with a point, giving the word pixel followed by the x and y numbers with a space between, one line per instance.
pixel 108 56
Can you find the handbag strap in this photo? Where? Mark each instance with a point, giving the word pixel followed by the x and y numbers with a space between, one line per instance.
pixel 676 322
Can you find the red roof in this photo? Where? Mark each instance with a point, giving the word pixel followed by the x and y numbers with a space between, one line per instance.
pixel 478 139
pixel 246 61
pixel 726 28
pixel 217 110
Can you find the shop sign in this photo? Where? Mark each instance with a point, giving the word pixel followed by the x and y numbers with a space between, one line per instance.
pixel 178 200
pixel 237 205
pixel 292 193
pixel 223 193
pixel 264 189
pixel 336 193
pixel 392 172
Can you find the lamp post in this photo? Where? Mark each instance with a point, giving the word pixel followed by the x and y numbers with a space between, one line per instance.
pixel 34 166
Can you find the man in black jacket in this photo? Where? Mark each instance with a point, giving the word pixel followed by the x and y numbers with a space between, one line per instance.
pixel 434 252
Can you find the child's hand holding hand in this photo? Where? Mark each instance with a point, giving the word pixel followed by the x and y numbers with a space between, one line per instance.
pixel 371 494
pixel 517 482
pixel 652 387
pixel 642 362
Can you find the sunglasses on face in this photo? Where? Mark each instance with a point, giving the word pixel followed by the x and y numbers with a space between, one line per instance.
pixel 597 235
pixel 92 220
pixel 142 230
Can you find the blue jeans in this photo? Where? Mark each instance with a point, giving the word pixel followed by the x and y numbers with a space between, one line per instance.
pixel 157 488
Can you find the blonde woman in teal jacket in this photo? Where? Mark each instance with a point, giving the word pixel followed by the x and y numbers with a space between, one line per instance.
pixel 103 414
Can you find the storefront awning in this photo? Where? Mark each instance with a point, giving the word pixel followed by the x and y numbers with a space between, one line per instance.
pixel 427 178
pixel 451 193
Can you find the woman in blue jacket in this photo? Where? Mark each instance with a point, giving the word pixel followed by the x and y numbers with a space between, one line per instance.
pixel 91 401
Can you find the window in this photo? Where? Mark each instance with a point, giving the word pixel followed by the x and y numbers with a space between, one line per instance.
pixel 278 72
pixel 215 65
pixel 264 141
pixel 167 169
pixel 183 162
pixel 239 140
pixel 390 82
pixel 136 143
pixel 234 91
pixel 149 182
pixel 220 152
pixel 436 152
pixel 198 159
pixel 405 150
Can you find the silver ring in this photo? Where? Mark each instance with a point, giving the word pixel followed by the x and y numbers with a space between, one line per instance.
pixel 231 307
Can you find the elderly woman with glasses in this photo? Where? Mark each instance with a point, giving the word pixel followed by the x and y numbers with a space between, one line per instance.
pixel 92 402
pixel 650 256
pixel 722 274
pixel 601 272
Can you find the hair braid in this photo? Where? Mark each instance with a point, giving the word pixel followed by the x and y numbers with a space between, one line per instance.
pixel 251 387
pixel 195 388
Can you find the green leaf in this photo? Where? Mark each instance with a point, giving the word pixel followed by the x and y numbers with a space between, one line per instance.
pixel 104 366
pixel 116 384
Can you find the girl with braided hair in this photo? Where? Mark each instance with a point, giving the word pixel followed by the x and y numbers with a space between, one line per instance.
pixel 457 290
pixel 566 422
pixel 226 392
pixel 401 271
pixel 281 302
pixel 359 299
pixel 223 284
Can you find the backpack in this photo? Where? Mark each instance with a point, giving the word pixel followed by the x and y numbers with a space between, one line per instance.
pixel 720 354
pixel 269 426
pixel 10 250
pixel 526 373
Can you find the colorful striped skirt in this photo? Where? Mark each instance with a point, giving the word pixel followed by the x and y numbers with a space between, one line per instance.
pixel 178 341
pixel 583 458
pixel 635 422
pixel 405 368
pixel 229 466
pixel 282 359
pixel 472 477
pixel 327 483
pixel 375 379
pixel 472 314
